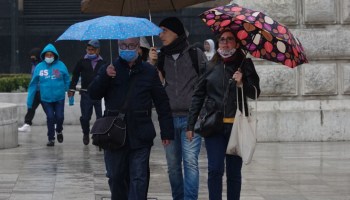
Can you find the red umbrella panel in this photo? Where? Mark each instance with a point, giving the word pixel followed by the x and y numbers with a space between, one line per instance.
pixel 257 33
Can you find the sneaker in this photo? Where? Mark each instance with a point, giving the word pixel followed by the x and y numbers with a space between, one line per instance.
pixel 60 137
pixel 86 139
pixel 50 143
pixel 24 128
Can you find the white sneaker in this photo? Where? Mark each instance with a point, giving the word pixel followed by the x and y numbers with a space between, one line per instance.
pixel 24 128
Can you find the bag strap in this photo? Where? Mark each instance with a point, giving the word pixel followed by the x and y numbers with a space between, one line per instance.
pixel 243 106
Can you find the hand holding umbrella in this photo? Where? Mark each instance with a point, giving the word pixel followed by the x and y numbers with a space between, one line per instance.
pixel 111 71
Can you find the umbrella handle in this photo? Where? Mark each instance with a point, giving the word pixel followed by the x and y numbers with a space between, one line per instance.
pixel 110 49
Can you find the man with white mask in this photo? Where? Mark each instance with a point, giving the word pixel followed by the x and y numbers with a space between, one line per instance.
pixel 54 82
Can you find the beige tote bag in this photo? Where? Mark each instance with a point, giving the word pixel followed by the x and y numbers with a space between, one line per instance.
pixel 242 140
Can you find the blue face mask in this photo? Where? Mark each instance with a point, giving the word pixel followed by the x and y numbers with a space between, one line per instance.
pixel 128 55
pixel 91 56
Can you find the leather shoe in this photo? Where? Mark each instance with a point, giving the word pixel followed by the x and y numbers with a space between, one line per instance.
pixel 86 139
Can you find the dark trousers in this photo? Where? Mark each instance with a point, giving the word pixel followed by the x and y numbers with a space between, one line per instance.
pixel 86 106
pixel 28 118
pixel 216 152
pixel 54 115
pixel 128 165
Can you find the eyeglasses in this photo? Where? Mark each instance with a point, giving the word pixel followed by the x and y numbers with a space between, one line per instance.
pixel 130 46
pixel 226 40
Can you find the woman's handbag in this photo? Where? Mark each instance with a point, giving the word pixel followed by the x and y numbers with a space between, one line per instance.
pixel 109 132
pixel 242 140
pixel 209 121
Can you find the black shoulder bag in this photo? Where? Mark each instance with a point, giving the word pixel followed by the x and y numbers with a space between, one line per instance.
pixel 109 132
pixel 210 119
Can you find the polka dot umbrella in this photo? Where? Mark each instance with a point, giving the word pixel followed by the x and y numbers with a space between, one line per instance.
pixel 257 33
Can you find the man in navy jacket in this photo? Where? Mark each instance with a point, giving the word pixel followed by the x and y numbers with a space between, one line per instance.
pixel 86 69
pixel 112 83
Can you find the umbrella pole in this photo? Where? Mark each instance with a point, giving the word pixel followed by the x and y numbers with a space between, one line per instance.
pixel 246 52
pixel 150 19
pixel 110 49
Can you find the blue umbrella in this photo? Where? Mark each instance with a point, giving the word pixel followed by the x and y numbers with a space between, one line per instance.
pixel 111 27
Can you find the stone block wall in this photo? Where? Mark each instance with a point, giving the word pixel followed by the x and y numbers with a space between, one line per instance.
pixel 8 126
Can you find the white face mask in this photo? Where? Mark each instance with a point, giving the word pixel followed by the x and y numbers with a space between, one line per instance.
pixel 226 53
pixel 49 60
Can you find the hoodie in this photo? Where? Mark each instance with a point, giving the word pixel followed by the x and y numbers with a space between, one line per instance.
pixel 54 79
pixel 212 49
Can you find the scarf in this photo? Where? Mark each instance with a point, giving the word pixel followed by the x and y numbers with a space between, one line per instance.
pixel 94 61
pixel 177 46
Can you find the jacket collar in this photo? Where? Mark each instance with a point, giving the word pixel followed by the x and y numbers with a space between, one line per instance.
pixel 135 68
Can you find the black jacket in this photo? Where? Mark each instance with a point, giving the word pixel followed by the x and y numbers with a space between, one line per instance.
pixel 84 69
pixel 147 89
pixel 212 86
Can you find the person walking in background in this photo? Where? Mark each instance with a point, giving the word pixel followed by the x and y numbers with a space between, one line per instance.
pixel 28 118
pixel 127 166
pixel 212 87
pixel 144 49
pixel 86 69
pixel 53 76
pixel 209 48
pixel 179 66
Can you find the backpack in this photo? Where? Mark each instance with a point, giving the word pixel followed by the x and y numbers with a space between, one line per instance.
pixel 194 59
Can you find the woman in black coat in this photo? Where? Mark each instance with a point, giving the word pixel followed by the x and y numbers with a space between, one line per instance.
pixel 228 71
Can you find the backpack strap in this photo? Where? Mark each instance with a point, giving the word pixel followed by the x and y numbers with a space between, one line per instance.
pixel 194 58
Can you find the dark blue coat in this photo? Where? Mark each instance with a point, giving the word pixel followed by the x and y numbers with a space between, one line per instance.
pixel 147 89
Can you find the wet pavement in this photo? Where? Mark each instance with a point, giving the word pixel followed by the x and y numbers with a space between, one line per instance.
pixel 279 171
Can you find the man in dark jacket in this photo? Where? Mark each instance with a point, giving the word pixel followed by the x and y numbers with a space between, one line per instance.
pixel 112 83
pixel 86 69
pixel 179 74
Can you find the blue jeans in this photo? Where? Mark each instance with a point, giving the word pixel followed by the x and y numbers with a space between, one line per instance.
pixel 181 149
pixel 86 105
pixel 127 171
pixel 54 115
pixel 216 152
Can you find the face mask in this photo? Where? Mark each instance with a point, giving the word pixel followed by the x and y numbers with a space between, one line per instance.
pixel 128 55
pixel 226 53
pixel 49 60
pixel 91 56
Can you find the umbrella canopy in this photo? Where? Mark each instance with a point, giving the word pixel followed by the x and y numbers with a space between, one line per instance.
pixel 110 27
pixel 133 7
pixel 257 33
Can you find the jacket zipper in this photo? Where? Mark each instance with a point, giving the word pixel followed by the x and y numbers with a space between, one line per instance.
pixel 176 79
pixel 223 84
